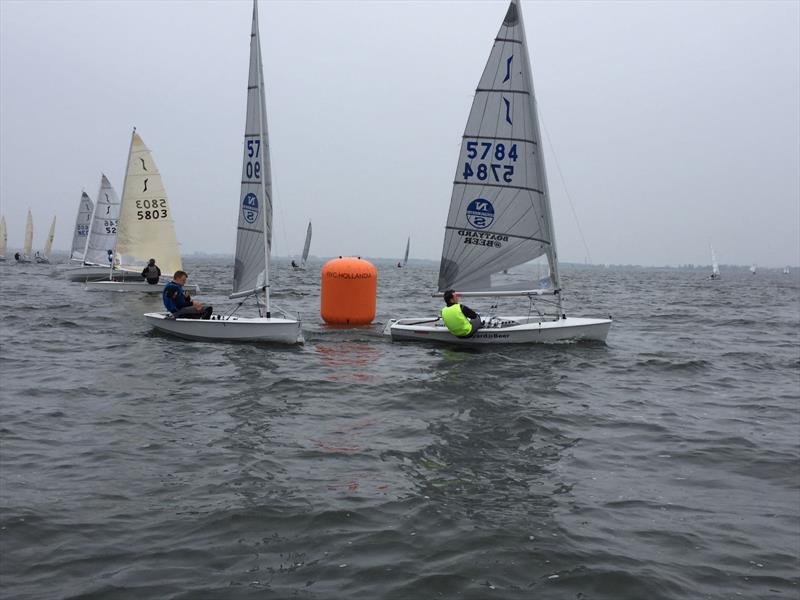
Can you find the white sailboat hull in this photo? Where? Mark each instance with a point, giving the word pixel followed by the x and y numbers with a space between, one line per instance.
pixel 42 261
pixel 132 286
pixel 230 329
pixel 88 273
pixel 503 330
pixel 298 268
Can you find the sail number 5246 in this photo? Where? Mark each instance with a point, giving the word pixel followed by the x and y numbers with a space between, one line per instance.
pixel 491 170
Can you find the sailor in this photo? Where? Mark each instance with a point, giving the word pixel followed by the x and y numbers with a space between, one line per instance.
pixel 459 319
pixel 295 265
pixel 17 256
pixel 151 272
pixel 178 301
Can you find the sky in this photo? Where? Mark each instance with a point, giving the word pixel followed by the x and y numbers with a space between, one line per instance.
pixel 669 126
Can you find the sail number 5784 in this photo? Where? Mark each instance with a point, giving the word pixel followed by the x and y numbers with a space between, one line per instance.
pixel 490 170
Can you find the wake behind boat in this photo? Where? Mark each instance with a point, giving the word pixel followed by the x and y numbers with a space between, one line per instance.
pixel 500 213
pixel 253 236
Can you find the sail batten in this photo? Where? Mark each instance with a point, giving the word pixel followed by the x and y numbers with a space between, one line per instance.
pixel 254 228
pixel 83 224
pixel 103 234
pixel 499 213
pixel 145 228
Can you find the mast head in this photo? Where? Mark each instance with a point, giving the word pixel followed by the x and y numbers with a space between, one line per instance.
pixel 512 16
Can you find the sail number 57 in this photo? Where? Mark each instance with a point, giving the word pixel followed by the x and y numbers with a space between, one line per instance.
pixel 490 170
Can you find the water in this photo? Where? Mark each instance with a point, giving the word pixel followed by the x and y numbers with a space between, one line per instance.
pixel 663 465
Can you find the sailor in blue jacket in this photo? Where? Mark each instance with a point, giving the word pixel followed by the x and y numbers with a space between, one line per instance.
pixel 178 301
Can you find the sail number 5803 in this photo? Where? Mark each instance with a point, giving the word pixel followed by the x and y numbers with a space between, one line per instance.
pixel 491 170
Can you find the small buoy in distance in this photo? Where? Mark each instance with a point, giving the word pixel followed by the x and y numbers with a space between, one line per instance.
pixel 349 291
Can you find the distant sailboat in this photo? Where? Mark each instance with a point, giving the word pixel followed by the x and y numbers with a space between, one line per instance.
pixel 253 235
pixel 44 257
pixel 3 239
pixel 145 228
pixel 25 257
pixel 714 265
pixel 405 257
pixel 500 214
pixel 785 269
pixel 753 269
pixel 83 223
pixel 306 248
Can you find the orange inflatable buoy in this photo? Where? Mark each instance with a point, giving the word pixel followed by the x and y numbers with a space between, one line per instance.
pixel 349 291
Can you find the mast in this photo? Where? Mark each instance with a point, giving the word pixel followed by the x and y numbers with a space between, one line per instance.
pixel 121 200
pixel 540 159
pixel 264 149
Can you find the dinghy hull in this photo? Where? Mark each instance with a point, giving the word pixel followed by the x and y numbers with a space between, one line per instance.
pixel 231 329
pixel 132 286
pixel 503 330
pixel 99 274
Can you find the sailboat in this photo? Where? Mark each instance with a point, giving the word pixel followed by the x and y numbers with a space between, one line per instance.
pixel 3 239
pixel 253 236
pixel 753 269
pixel 306 248
pixel 25 257
pixel 44 257
pixel 82 225
pixel 144 229
pixel 714 266
pixel 101 238
pixel 405 257
pixel 500 214
pixel 786 270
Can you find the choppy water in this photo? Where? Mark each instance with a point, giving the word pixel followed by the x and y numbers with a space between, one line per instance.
pixel 662 465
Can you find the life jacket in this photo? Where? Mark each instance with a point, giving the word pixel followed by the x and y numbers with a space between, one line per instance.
pixel 455 321
pixel 175 303
pixel 151 272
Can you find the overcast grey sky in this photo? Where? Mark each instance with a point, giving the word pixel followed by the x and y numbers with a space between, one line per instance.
pixel 675 124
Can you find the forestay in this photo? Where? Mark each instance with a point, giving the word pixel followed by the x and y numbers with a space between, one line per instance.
pixel 499 211
pixel 103 235
pixel 82 225
pixel 145 228
pixel 307 245
pixel 254 230
pixel 28 247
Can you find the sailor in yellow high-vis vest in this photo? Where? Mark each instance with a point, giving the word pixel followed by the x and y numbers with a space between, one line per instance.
pixel 459 319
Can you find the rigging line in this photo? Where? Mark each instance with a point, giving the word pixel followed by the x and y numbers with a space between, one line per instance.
pixel 564 183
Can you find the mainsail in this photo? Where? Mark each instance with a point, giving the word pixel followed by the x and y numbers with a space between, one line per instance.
pixel 408 247
pixel 82 225
pixel 145 228
pixel 254 230
pixel 307 245
pixel 3 237
pixel 48 244
pixel 103 235
pixel 500 209
pixel 28 247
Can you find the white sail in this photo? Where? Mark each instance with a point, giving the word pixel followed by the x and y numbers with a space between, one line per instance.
pixel 103 235
pixel 48 244
pixel 714 264
pixel 3 238
pixel 500 210
pixel 83 224
pixel 254 230
pixel 307 245
pixel 145 228
pixel 408 247
pixel 753 269
pixel 28 247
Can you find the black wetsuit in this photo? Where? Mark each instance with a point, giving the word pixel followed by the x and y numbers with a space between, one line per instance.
pixel 151 273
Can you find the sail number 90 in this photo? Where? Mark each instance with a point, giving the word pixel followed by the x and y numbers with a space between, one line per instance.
pixel 492 171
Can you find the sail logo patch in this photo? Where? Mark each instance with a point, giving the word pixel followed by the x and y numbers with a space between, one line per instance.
pixel 480 213
pixel 250 208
